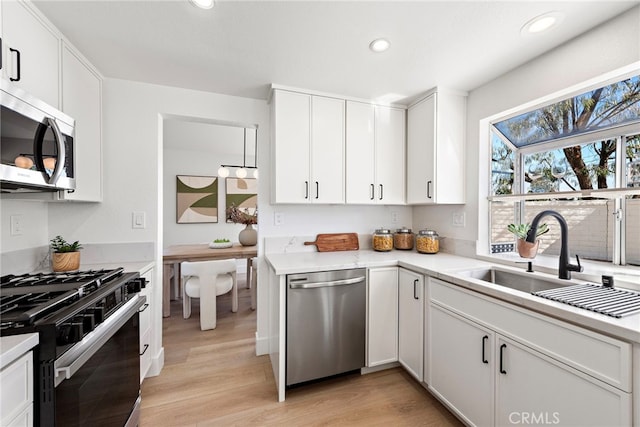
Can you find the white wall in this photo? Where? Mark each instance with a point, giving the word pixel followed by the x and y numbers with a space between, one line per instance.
pixel 34 225
pixel 189 162
pixel 605 48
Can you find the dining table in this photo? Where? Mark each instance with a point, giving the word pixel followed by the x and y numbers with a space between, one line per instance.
pixel 175 254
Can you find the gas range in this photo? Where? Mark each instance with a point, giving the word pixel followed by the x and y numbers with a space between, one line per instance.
pixel 84 319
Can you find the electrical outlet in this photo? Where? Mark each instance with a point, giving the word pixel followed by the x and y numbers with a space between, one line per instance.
pixel 139 220
pixel 394 217
pixel 278 218
pixel 16 225
pixel 458 219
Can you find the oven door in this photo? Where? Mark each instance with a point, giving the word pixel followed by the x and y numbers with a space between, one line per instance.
pixel 98 380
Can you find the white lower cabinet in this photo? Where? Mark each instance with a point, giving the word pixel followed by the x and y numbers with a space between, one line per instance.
pixel 382 316
pixel 16 392
pixel 145 326
pixel 411 321
pixel 506 378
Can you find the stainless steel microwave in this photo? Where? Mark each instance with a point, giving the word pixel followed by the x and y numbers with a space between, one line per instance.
pixel 36 144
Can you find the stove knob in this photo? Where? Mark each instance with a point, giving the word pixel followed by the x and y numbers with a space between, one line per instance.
pixel 88 322
pixel 98 314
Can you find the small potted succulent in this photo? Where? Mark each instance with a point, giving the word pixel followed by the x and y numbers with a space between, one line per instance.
pixel 65 256
pixel 526 249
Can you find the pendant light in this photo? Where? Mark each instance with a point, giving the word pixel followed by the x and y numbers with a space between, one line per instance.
pixel 242 170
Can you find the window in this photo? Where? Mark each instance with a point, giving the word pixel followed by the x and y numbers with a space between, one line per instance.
pixel 579 156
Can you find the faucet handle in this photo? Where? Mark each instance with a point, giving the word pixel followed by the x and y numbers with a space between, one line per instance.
pixel 573 267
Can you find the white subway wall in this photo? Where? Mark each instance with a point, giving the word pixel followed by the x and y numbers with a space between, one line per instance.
pixel 603 49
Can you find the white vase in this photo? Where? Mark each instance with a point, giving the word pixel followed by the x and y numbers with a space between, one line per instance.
pixel 248 236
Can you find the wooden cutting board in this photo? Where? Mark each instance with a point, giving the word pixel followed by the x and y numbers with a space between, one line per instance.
pixel 336 242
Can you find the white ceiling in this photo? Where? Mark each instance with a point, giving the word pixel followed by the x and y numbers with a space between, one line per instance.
pixel 241 47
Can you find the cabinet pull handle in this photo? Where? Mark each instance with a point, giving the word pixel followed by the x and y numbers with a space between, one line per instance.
pixel 373 191
pixel 317 190
pixel 381 191
pixel 502 347
pixel 306 189
pixel 143 308
pixel 17 79
pixel 415 293
pixel 146 347
pixel 484 340
pixel 428 189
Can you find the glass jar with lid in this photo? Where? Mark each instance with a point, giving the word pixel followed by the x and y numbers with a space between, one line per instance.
pixel 382 240
pixel 403 239
pixel 428 242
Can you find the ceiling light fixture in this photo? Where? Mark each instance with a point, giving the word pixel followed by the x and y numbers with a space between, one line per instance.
pixel 542 23
pixel 202 4
pixel 379 45
pixel 242 170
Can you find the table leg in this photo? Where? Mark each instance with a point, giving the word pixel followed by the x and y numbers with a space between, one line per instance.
pixel 249 262
pixel 166 290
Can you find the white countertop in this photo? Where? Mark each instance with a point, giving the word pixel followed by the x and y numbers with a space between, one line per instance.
pixel 139 266
pixel 14 346
pixel 444 266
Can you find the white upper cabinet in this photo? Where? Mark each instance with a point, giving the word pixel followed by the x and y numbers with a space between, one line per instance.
pixel 307 148
pixel 435 149
pixel 30 52
pixel 375 154
pixel 82 100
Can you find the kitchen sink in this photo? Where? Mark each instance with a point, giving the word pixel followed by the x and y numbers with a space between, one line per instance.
pixel 525 282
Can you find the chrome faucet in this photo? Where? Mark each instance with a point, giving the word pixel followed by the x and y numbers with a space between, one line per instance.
pixel 564 267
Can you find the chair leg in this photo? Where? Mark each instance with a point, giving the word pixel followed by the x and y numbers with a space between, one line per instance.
pixel 234 293
pixel 249 271
pixel 208 313
pixel 186 304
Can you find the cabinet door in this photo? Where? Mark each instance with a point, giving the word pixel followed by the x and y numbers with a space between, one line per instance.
pixel 460 365
pixel 360 153
pixel 382 316
pixel 535 389
pixel 411 321
pixel 327 150
pixel 146 326
pixel 82 100
pixel 421 129
pixel 390 145
pixel 291 147
pixel 38 47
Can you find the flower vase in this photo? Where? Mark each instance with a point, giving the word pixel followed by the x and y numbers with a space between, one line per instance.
pixel 248 236
pixel 526 249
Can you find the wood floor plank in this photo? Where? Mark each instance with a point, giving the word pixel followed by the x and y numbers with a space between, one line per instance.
pixel 214 378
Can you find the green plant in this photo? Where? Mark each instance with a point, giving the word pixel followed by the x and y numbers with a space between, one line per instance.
pixel 59 245
pixel 521 230
pixel 221 241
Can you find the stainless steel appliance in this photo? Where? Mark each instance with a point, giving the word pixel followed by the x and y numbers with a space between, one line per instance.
pixel 36 144
pixel 326 320
pixel 87 365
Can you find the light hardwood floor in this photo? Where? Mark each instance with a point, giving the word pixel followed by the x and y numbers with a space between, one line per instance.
pixel 214 378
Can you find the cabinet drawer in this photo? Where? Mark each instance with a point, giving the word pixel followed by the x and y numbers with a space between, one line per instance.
pixel 16 387
pixel 600 356
pixel 25 418
pixel 145 353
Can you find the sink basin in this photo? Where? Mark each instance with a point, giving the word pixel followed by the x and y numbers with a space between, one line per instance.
pixel 525 282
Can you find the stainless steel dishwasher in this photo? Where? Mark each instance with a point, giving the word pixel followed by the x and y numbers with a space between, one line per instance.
pixel 326 318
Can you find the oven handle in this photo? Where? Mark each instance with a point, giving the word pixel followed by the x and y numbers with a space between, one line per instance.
pixel 93 342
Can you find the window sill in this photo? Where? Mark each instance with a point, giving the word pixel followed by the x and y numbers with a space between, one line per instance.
pixel 625 276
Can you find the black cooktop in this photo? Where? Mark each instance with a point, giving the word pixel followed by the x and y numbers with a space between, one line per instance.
pixel 29 297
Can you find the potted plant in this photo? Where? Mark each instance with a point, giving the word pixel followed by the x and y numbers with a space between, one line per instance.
pixel 65 256
pixel 248 236
pixel 526 249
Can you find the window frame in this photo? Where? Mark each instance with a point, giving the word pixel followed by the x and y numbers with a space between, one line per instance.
pixel 619 194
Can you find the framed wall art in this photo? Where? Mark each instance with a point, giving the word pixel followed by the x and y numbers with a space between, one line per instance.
pixel 196 199
pixel 243 193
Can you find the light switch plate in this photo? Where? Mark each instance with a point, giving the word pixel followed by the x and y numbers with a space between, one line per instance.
pixel 278 218
pixel 458 219
pixel 16 225
pixel 139 220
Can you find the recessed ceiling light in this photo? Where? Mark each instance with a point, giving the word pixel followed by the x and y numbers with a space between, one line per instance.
pixel 542 23
pixel 202 4
pixel 379 45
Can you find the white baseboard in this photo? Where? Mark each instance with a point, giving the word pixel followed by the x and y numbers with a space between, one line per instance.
pixel 366 370
pixel 157 363
pixel 262 345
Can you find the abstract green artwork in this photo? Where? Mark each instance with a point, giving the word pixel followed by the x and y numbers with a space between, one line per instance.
pixel 196 199
pixel 243 193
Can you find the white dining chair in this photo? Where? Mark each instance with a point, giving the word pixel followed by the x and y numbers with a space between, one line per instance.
pixel 206 280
